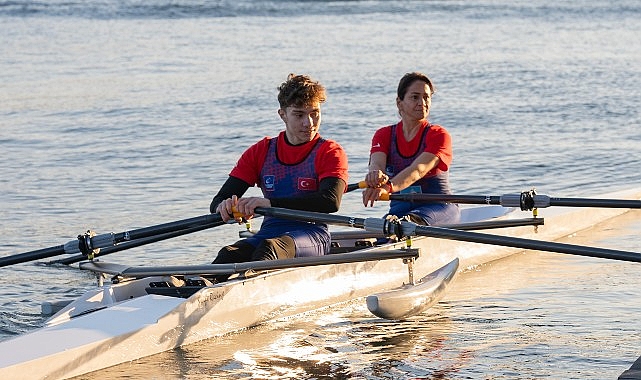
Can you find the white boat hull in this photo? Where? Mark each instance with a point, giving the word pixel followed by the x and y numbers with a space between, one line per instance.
pixel 127 323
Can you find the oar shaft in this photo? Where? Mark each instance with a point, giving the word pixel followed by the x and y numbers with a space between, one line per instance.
pixel 586 202
pixel 490 224
pixel 476 237
pixel 33 255
pixel 312 216
pixel 466 199
pixel 211 220
pixel 89 243
pixel 525 201
pixel 405 228
pixel 131 244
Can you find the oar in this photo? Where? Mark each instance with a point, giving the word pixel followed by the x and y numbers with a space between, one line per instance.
pixel 526 200
pixel 129 245
pixel 89 243
pixel 467 226
pixel 405 228
pixel 356 186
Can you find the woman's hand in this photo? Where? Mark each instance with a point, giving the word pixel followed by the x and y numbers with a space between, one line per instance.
pixel 376 178
pixel 372 194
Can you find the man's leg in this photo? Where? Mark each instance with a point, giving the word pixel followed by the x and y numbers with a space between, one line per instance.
pixel 238 252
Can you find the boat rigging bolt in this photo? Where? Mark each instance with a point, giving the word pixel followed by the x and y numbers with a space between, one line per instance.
pixel 410 269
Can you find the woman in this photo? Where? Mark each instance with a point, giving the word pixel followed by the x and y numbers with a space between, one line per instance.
pixel 412 156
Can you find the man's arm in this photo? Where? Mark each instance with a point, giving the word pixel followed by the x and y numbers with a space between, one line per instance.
pixel 233 186
pixel 327 199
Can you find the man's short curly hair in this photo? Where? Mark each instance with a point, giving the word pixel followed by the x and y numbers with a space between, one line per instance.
pixel 299 91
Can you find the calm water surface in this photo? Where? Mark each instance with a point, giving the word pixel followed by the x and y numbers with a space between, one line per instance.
pixel 120 115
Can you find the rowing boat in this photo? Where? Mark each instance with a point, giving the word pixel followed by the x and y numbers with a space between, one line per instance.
pixel 142 311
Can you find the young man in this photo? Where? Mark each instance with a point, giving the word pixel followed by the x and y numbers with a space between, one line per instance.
pixel 298 169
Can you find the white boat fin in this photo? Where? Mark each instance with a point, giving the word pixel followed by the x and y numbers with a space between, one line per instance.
pixel 410 300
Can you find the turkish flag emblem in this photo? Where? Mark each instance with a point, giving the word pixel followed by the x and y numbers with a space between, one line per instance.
pixel 307 184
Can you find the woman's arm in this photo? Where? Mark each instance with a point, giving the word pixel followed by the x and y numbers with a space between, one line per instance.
pixel 417 170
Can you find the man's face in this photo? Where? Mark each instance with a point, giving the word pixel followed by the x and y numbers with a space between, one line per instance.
pixel 301 123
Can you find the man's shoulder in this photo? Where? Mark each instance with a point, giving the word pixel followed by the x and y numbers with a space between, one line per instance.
pixel 327 144
pixel 261 144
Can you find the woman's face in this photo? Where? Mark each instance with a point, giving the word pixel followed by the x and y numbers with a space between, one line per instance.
pixel 417 101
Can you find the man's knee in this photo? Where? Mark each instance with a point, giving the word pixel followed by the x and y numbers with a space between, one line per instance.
pixel 282 247
pixel 234 253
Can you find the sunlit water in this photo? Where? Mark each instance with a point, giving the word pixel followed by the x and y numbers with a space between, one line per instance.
pixel 116 116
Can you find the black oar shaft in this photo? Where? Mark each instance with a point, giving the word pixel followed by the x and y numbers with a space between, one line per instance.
pixel 33 255
pixel 208 219
pixel 476 237
pixel 313 216
pixel 466 199
pixel 386 227
pixel 88 243
pixel 490 224
pixel 131 244
pixel 586 202
pixel 525 201
pixel 356 186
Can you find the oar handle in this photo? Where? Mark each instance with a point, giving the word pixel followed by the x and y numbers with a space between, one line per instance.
pixel 356 186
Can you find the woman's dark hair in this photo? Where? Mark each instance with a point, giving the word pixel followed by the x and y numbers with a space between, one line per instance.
pixel 408 79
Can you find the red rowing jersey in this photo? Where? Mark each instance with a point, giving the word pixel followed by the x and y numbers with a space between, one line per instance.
pixel 330 161
pixel 437 141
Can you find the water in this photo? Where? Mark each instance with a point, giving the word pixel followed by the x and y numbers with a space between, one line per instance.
pixel 119 115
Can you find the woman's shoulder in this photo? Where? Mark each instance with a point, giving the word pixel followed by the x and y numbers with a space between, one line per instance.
pixel 437 129
pixel 385 131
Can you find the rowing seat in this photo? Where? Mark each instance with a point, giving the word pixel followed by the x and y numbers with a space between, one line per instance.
pixel 170 288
